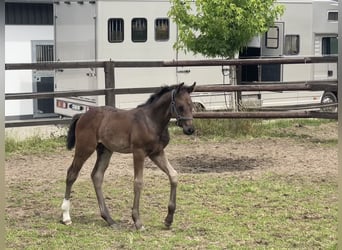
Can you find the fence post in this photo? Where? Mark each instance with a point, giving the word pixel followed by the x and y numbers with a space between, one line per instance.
pixel 109 83
pixel 238 98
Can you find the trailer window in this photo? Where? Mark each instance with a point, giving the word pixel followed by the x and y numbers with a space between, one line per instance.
pixel 115 30
pixel 161 29
pixel 272 38
pixel 329 46
pixel 291 45
pixel 332 16
pixel 139 30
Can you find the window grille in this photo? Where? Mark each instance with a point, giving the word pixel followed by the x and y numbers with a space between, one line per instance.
pixel 28 14
pixel 44 53
pixel 332 16
pixel 139 30
pixel 161 29
pixel 115 30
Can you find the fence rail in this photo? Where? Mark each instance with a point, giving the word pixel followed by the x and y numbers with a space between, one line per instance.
pixel 110 91
pixel 328 85
pixel 180 63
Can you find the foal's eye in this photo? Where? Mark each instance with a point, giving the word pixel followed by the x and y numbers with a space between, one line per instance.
pixel 181 108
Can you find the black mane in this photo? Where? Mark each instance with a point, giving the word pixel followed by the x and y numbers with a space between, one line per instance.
pixel 154 97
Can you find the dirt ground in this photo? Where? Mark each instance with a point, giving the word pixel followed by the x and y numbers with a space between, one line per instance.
pixel 308 155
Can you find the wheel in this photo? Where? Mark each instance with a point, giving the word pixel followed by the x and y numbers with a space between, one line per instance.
pixel 198 107
pixel 329 98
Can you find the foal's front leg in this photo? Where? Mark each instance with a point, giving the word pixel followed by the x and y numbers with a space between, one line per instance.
pixel 138 160
pixel 161 161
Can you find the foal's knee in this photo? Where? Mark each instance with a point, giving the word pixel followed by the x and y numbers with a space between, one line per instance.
pixel 174 179
pixel 138 184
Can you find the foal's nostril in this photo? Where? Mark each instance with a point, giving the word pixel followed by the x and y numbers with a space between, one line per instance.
pixel 190 131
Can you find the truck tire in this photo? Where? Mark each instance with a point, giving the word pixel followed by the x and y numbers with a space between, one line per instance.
pixel 198 107
pixel 329 98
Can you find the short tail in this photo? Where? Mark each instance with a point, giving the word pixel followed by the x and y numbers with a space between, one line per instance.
pixel 71 138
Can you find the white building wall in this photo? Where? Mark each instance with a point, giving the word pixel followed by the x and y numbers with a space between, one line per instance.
pixel 18 49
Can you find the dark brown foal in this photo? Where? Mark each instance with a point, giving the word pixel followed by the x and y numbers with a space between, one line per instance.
pixel 142 131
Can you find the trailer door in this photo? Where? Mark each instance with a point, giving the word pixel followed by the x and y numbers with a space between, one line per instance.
pixel 272 46
pixel 75 41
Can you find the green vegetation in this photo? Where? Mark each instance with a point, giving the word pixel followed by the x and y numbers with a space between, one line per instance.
pixel 221 28
pixel 33 145
pixel 217 130
pixel 214 212
pixel 225 129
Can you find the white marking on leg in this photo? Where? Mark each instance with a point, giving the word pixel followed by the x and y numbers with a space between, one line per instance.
pixel 173 175
pixel 66 215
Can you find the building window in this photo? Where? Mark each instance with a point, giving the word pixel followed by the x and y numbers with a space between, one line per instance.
pixel 161 29
pixel 272 38
pixel 115 30
pixel 28 14
pixel 333 16
pixel 139 30
pixel 329 46
pixel 44 53
pixel 291 45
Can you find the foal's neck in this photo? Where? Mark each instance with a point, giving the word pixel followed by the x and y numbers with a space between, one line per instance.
pixel 160 111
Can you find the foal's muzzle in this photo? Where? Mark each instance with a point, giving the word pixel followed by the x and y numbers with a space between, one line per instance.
pixel 188 130
pixel 187 126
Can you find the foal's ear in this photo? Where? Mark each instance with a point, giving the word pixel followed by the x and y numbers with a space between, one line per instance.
pixel 191 88
pixel 179 87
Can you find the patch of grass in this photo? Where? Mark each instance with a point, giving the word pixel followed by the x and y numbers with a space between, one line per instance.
pixel 223 129
pixel 210 129
pixel 213 212
pixel 33 145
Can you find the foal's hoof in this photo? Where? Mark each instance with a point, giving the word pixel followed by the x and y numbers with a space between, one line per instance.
pixel 67 222
pixel 115 226
pixel 167 225
pixel 139 227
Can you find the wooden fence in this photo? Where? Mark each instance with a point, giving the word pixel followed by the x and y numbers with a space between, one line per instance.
pixel 110 91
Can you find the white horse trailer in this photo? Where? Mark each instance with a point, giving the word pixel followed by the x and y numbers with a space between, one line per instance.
pixel 307 28
pixel 122 31
pixel 140 30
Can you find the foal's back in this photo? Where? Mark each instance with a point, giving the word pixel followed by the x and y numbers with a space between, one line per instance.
pixel 118 130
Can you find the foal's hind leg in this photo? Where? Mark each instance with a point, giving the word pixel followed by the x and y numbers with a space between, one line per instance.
pixel 161 161
pixel 102 162
pixel 138 159
pixel 72 174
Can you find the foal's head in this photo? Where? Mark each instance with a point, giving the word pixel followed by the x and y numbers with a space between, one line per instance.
pixel 181 107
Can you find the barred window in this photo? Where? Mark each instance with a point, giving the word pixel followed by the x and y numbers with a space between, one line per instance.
pixel 272 38
pixel 139 29
pixel 291 45
pixel 332 16
pixel 44 53
pixel 115 30
pixel 28 14
pixel 161 29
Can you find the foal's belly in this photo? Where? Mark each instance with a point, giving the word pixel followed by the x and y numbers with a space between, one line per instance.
pixel 117 146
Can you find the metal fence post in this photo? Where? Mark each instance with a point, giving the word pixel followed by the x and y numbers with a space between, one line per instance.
pixel 109 83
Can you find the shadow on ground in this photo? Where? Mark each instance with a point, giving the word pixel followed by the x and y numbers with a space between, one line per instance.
pixel 205 163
